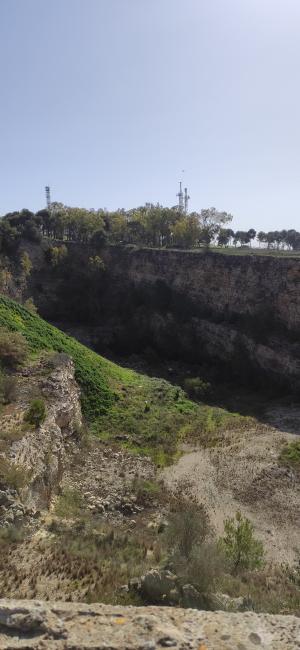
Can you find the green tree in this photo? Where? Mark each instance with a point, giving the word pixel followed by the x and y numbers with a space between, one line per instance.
pixel 58 254
pixel 240 546
pixel 26 264
pixel 225 235
pixel 210 221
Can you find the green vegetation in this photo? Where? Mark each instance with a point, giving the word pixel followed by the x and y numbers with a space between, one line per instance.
pixel 290 454
pixel 148 416
pixel 36 413
pixel 196 387
pixel 26 264
pixel 147 225
pixel 57 254
pixel 146 491
pixel 92 371
pixel 240 545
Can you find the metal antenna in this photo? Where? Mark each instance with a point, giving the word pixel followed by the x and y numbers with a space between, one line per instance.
pixel 186 200
pixel 180 198
pixel 48 199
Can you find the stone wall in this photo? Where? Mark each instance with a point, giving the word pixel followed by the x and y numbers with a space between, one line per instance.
pixel 66 626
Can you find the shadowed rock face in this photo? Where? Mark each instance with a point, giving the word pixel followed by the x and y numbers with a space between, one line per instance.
pixel 41 625
pixel 241 313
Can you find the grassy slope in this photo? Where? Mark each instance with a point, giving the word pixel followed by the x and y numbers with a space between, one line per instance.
pixel 150 414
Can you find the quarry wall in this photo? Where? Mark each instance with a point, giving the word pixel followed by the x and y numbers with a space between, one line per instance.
pixel 241 312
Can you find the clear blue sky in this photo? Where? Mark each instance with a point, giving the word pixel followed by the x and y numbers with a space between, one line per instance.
pixel 108 100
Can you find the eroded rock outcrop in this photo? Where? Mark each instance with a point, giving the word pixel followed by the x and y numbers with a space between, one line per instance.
pixel 39 452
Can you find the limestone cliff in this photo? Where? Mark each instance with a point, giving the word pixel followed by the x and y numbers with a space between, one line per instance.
pixel 38 453
pixel 241 312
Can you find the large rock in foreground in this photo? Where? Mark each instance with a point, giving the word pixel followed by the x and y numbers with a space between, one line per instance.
pixel 73 626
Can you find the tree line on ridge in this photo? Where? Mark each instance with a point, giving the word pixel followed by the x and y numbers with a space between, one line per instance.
pixel 149 225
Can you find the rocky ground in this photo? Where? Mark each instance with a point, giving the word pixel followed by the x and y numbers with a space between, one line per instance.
pixel 90 554
pixel 62 626
pixel 244 474
pixel 105 478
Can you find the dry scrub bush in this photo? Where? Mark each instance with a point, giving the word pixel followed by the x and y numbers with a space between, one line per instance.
pixel 8 388
pixel 194 557
pixel 11 535
pixel 13 475
pixel 13 348
pixel 188 521
pixel 30 306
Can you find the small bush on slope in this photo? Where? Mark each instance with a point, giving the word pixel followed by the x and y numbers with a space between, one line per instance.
pixel 290 454
pixel 13 348
pixel 36 413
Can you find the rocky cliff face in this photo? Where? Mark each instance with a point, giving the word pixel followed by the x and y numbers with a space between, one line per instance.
pixel 39 454
pixel 240 312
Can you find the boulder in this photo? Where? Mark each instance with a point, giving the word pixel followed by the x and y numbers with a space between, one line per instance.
pixel 191 597
pixel 157 585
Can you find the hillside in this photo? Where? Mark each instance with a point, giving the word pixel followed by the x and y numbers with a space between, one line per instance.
pixel 117 400
pixel 89 491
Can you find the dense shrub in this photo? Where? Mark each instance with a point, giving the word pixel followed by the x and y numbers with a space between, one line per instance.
pixel 57 254
pixel 240 546
pixel 196 387
pixel 290 454
pixel 13 347
pixel 36 413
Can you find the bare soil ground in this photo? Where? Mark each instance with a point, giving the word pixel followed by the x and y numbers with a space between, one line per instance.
pixel 245 475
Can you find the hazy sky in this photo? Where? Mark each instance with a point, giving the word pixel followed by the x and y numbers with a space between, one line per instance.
pixel 108 100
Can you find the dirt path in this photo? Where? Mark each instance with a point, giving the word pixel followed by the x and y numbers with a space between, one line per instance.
pixel 244 475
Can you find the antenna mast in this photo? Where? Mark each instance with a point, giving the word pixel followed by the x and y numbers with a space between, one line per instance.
pixel 180 198
pixel 48 198
pixel 186 200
